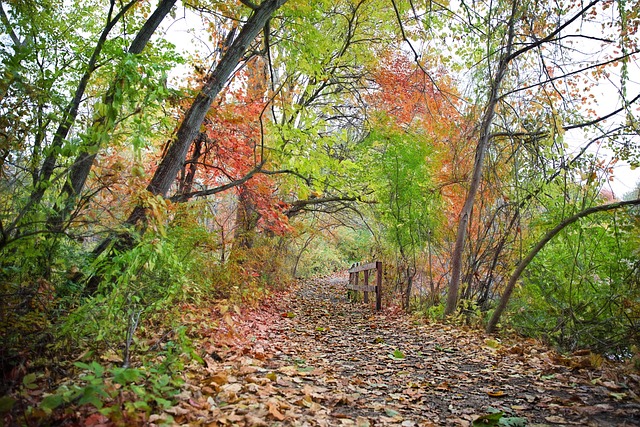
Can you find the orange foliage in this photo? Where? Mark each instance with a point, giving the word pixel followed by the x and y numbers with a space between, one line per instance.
pixel 232 145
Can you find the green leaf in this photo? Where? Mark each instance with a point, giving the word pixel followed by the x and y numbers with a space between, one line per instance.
pixel 164 380
pixel 141 404
pixel 6 404
pixel 90 396
pixel 82 365
pixel 51 402
pixel 29 381
pixel 397 355
pixel 126 376
pixel 163 403
pixel 492 419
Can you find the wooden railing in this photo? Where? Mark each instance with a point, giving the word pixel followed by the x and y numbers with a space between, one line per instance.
pixel 354 286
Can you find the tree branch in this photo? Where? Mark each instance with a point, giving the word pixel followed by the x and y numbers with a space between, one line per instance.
pixel 549 37
pixel 541 244
pixel 210 191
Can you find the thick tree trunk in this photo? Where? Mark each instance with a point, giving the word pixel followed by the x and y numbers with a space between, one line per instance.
pixel 493 322
pixel 247 218
pixel 175 155
pixel 188 174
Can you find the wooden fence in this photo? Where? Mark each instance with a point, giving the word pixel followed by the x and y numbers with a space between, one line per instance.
pixel 354 280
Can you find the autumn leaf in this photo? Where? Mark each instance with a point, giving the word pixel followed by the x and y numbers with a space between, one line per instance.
pixel 274 410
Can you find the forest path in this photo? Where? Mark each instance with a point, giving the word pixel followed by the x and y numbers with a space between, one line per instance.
pixel 312 358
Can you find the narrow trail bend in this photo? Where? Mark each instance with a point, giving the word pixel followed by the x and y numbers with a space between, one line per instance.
pixel 310 358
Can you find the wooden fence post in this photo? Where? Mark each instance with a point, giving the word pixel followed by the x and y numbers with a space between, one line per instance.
pixel 355 284
pixel 366 283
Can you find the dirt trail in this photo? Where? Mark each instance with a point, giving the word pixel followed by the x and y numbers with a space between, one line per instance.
pixel 314 359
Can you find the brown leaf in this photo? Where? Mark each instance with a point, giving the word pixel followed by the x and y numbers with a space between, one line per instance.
pixel 554 419
pixel 273 408
pixel 254 421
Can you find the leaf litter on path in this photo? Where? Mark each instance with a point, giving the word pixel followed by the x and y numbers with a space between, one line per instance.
pixel 310 358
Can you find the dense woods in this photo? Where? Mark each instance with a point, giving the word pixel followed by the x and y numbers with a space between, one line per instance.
pixel 471 147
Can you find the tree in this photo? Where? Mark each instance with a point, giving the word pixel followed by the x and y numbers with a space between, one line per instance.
pixel 105 118
pixel 522 265
pixel 70 86
pixel 516 36
pixel 177 150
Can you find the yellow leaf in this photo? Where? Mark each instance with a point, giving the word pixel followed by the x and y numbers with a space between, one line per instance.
pixel 492 343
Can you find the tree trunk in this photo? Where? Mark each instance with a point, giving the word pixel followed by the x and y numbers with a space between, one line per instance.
pixel 247 218
pixel 188 174
pixel 491 326
pixel 476 178
pixel 104 121
pixel 174 157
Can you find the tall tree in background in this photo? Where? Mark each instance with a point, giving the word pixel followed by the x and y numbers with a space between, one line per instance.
pixel 515 34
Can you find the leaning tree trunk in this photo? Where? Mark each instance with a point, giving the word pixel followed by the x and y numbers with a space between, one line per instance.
pixel 175 155
pixel 476 178
pixel 103 124
pixel 493 322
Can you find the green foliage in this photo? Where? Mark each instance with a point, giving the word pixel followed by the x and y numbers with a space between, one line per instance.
pixel 401 176
pixel 409 209
pixel 118 393
pixel 583 289
pixel 325 253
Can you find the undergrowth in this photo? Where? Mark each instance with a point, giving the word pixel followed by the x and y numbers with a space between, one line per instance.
pixel 120 351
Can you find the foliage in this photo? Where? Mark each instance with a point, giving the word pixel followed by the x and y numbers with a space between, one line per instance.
pixel 347 132
pixel 123 395
pixel 581 290
pixel 321 250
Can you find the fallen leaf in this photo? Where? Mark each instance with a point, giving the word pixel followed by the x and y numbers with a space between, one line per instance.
pixel 362 422
pixel 273 408
pixel 554 419
pixel 254 421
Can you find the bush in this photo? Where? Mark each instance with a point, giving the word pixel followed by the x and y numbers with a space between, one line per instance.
pixel 583 289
